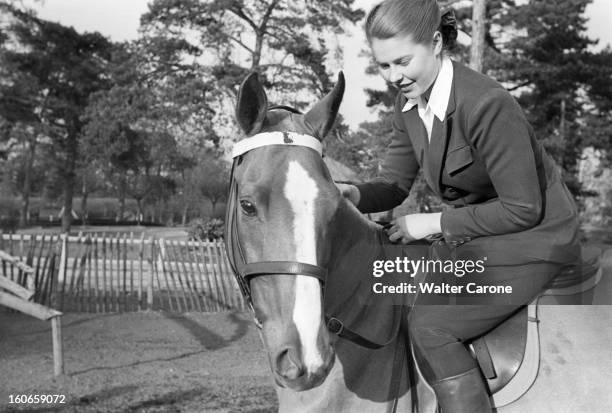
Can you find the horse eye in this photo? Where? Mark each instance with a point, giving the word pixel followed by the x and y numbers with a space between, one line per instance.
pixel 248 208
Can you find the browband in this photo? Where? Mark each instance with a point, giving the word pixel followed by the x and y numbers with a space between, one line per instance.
pixel 276 138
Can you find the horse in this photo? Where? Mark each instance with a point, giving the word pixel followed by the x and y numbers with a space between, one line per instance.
pixel 302 257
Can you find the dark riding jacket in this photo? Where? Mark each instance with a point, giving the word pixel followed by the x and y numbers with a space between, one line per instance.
pixel 484 160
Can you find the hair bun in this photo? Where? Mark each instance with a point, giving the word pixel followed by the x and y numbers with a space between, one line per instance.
pixel 448 28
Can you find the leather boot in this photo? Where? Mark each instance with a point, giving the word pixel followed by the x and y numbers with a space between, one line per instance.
pixel 464 393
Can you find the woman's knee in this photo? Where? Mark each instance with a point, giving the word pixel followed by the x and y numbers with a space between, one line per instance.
pixel 427 328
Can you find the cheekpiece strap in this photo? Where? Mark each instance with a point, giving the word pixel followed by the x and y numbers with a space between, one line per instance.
pixel 276 138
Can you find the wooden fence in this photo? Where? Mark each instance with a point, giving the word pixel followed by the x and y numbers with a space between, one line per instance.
pixel 115 274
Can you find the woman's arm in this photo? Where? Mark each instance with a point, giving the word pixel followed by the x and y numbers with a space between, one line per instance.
pixel 397 172
pixel 503 138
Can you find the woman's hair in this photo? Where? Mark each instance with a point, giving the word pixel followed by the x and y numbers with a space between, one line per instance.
pixel 418 18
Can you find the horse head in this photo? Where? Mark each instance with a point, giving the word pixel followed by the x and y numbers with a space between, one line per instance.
pixel 284 202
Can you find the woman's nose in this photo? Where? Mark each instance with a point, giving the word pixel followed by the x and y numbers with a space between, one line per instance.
pixel 394 74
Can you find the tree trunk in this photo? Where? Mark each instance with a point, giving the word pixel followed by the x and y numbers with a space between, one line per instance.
pixel 84 213
pixel 479 10
pixel 69 174
pixel 27 184
pixel 68 196
pixel 260 33
pixel 139 206
pixel 184 219
pixel 84 195
pixel 122 191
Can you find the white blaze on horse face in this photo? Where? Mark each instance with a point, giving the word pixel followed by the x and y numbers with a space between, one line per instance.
pixel 301 191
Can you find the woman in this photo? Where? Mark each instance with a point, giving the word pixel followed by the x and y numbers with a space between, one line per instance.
pixel 478 154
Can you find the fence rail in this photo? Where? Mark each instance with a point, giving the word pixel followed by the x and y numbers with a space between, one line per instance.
pixel 122 273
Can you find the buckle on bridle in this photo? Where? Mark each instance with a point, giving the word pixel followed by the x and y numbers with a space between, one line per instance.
pixel 335 326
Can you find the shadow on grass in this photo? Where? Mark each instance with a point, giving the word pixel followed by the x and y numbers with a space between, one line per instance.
pixel 47 325
pixel 138 363
pixel 208 338
pixel 258 399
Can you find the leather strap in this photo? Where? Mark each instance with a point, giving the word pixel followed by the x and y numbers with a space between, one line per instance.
pixel 254 269
pixel 336 326
pixel 484 358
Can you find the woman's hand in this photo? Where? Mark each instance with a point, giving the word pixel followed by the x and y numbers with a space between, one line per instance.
pixel 350 192
pixel 414 227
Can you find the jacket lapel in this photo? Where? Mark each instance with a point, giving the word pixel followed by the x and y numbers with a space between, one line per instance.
pixel 440 136
pixel 418 134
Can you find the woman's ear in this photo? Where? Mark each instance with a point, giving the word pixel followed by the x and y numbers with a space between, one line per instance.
pixel 438 43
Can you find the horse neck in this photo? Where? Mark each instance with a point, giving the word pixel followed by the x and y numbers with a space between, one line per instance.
pixel 355 240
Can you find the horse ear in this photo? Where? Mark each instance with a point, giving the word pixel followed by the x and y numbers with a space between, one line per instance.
pixel 252 105
pixel 322 116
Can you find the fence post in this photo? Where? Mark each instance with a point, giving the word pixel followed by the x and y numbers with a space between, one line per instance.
pixel 152 273
pixel 58 301
pixel 58 351
pixel 140 264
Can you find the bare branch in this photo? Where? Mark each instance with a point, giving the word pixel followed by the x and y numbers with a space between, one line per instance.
pixel 520 85
pixel 240 13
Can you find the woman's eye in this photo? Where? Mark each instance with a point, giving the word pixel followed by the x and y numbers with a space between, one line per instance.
pixel 248 208
pixel 383 66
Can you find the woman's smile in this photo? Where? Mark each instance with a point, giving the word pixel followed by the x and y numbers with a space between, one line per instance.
pixel 411 67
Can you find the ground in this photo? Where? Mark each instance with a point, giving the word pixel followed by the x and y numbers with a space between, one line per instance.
pixel 138 362
pixel 159 362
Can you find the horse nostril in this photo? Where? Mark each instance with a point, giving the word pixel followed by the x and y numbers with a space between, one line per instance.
pixel 287 364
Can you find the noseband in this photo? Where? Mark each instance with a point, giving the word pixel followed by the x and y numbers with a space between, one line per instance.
pixel 244 271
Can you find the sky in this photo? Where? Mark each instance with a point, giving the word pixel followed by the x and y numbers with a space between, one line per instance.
pixel 119 20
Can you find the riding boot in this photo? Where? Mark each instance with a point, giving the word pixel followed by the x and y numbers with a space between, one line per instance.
pixel 464 393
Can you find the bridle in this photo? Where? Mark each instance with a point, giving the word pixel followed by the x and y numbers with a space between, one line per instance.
pixel 244 271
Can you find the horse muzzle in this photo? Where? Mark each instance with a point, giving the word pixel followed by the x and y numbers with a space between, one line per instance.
pixel 291 371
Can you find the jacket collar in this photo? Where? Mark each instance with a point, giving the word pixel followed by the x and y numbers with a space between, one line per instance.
pixel 440 94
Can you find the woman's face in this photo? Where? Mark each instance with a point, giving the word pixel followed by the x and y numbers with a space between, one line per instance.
pixel 411 67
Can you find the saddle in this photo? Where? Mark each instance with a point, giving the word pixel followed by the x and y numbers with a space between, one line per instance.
pixel 509 355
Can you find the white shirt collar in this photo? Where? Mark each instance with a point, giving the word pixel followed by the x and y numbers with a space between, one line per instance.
pixel 440 94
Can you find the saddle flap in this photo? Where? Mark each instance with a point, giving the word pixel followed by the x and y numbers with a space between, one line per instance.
pixel 500 352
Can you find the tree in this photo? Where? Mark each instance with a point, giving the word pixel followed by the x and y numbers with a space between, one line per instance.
pixel 213 180
pixel 285 41
pixel 65 68
pixel 154 115
pixel 558 79
pixel 478 34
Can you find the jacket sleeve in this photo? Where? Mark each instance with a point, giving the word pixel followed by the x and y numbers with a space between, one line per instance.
pixel 501 136
pixel 397 172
